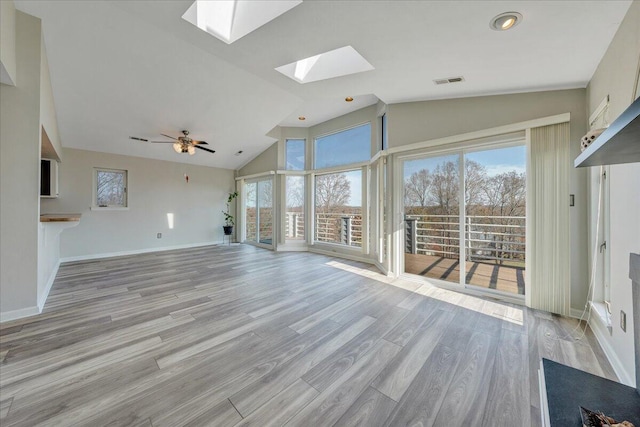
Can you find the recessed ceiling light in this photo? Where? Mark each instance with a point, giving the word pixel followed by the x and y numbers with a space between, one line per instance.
pixel 348 99
pixel 505 21
pixel 302 118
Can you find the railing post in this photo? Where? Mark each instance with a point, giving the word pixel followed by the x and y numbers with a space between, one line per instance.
pixel 468 239
pixel 346 230
pixel 411 235
pixel 294 227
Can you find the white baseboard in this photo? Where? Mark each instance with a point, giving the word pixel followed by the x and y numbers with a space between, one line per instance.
pixel 137 251
pixel 52 278
pixel 576 313
pixel 601 332
pixel 19 314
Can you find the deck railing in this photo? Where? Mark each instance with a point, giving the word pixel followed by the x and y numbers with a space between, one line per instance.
pixel 340 228
pixel 294 225
pixel 500 239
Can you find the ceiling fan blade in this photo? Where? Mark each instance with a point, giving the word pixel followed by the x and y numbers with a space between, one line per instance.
pixel 205 149
pixel 169 136
pixel 200 142
pixel 138 139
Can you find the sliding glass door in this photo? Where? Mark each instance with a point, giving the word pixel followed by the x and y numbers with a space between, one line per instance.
pixel 465 212
pixel 259 211
pixel 432 217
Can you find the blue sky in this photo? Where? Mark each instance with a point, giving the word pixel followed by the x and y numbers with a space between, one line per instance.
pixel 495 161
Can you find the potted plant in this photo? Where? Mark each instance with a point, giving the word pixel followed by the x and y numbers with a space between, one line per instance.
pixel 229 220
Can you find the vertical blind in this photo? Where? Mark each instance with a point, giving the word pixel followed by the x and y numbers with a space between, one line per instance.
pixel 548 218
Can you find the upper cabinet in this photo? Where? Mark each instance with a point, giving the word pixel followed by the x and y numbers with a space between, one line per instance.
pixel 620 143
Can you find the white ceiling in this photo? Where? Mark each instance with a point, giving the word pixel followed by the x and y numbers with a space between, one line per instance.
pixel 125 68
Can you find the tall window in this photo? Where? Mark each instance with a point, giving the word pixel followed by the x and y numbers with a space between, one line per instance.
pixel 342 148
pixel 294 221
pixel 294 154
pixel 338 208
pixel 110 188
pixel 259 211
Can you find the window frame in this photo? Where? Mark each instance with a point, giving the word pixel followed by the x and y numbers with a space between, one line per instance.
pixel 304 146
pixel 94 202
pixel 314 154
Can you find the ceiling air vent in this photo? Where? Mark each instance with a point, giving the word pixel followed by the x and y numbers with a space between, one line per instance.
pixel 449 80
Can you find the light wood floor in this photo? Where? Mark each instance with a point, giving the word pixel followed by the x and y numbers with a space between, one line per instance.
pixel 235 335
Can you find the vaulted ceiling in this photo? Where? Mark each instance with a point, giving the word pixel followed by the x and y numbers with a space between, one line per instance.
pixel 121 68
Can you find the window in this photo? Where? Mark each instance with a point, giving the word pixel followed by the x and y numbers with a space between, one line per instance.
pixel 110 190
pixel 342 148
pixel 295 154
pixel 338 208
pixel 465 218
pixel 294 224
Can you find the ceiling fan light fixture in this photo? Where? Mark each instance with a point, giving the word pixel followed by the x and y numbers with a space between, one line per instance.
pixel 177 147
pixel 191 150
pixel 505 21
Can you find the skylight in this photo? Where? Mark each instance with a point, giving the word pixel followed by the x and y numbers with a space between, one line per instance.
pixel 335 63
pixel 230 20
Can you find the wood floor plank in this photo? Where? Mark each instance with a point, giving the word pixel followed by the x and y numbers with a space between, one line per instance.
pixel 255 395
pixel 508 394
pixel 332 367
pixel 422 401
pixel 282 407
pixel 333 402
pixel 371 409
pixel 466 397
pixel 398 375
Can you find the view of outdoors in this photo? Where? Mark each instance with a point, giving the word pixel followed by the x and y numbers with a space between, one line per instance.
pixel 338 208
pixel 111 188
pixel 494 228
pixel 294 221
pixel 259 211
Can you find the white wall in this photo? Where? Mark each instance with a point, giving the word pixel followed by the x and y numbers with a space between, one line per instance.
pixel 20 173
pixel 155 189
pixel 7 42
pixel 48 118
pixel 422 121
pixel 615 77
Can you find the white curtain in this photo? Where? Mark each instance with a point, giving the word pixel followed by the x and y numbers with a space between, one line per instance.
pixel 548 219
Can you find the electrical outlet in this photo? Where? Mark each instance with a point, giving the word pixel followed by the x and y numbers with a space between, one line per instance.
pixel 623 320
pixel 159 236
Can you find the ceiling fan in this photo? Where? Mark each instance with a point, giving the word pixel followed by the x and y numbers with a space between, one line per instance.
pixel 181 144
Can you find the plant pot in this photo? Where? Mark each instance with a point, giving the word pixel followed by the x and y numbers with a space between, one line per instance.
pixel 228 230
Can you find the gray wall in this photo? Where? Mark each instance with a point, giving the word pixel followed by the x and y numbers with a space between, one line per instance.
pixel 422 121
pixel 615 76
pixel 8 41
pixel 155 188
pixel 20 172
pixel 265 161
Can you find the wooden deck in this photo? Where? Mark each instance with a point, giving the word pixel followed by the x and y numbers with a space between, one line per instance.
pixel 241 336
pixel 486 275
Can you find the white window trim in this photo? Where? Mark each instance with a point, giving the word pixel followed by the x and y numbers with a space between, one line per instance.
pixel 94 205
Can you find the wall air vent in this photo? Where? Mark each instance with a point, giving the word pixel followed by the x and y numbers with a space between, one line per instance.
pixel 449 80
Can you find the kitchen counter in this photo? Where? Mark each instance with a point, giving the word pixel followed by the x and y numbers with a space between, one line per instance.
pixel 72 217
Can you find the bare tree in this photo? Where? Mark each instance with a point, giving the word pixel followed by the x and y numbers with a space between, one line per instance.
pixel 332 190
pixel 445 188
pixel 295 192
pixel 475 178
pixel 506 194
pixel 416 188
